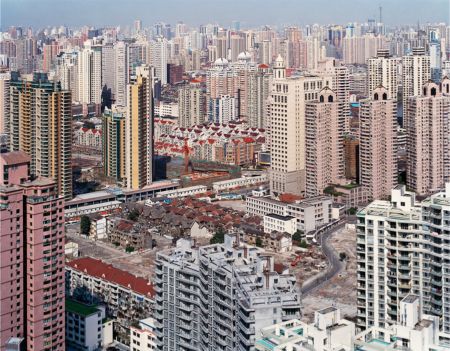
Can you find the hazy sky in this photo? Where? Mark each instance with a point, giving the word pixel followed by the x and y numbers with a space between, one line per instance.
pixel 40 13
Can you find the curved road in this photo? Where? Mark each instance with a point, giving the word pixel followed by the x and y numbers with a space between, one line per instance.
pixel 334 264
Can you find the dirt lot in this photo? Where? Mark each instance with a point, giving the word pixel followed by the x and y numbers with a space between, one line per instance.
pixel 138 263
pixel 341 290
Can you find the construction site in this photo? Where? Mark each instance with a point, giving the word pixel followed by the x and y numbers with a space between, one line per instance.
pixel 340 291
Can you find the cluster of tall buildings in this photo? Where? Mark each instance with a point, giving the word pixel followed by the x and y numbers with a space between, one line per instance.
pixel 360 105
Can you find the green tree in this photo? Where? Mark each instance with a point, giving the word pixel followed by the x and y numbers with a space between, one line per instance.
pixel 342 256
pixel 303 244
pixel 219 236
pixel 352 211
pixel 129 249
pixel 133 215
pixel 259 242
pixel 297 235
pixel 85 225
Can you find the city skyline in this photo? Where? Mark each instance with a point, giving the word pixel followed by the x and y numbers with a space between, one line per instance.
pixel 249 12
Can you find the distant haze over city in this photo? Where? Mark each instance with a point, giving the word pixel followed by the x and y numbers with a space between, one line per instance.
pixel 249 12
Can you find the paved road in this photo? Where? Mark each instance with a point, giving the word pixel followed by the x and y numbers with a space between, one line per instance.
pixel 334 264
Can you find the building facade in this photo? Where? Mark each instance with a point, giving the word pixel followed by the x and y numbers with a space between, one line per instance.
pixel 113 143
pixel 324 143
pixel 401 247
pixel 139 130
pixel 378 144
pixel 32 252
pixel 40 125
pixel 127 298
pixel 427 127
pixel 231 312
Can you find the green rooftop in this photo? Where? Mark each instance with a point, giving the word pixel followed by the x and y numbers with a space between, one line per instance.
pixel 80 308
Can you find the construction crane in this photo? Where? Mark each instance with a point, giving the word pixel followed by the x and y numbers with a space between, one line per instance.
pixel 186 156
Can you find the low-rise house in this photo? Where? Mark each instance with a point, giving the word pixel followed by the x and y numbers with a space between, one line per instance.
pixel 142 336
pixel 414 332
pixel 127 298
pixel 128 234
pixel 98 229
pixel 86 326
pixel 282 224
pixel 328 332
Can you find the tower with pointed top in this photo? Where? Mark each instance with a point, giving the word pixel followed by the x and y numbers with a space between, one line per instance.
pixel 279 69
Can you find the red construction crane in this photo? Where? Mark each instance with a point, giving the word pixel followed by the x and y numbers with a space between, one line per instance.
pixel 185 150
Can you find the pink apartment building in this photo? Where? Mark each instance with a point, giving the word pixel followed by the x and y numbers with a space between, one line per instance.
pixel 378 144
pixel 324 143
pixel 427 127
pixel 31 257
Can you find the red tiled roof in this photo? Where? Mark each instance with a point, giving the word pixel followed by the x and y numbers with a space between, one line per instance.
pixel 124 226
pixel 102 270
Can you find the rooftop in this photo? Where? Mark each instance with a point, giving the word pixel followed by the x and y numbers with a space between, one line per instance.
pixel 15 157
pixel 102 270
pixel 80 308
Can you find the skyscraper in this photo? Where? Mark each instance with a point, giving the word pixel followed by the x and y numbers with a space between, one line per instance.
pixel 40 125
pixel 159 56
pixel 90 73
pixel 32 251
pixel 287 127
pixel 384 70
pixel 402 249
pixel 324 143
pixel 427 127
pixel 191 105
pixel 416 72
pixel 113 142
pixel 120 73
pixel 5 77
pixel 139 130
pixel 378 144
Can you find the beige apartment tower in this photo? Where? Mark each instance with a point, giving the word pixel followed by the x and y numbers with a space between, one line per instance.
pixel 288 98
pixel 378 144
pixel 324 143
pixel 427 127
pixel 40 124
pixel 139 130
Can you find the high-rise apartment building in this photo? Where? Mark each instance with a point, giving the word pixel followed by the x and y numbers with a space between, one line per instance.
pixel 108 71
pixel 120 73
pixel 90 73
pixel 5 78
pixel 378 144
pixel 67 71
pixel 223 109
pixel 402 249
pixel 427 127
pixel 139 130
pixel 415 73
pixel 287 127
pixel 191 105
pixel 41 126
pixel 351 157
pixel 324 143
pixel 257 92
pixel 113 142
pixel 32 252
pixel 384 70
pixel 159 57
pixel 219 296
